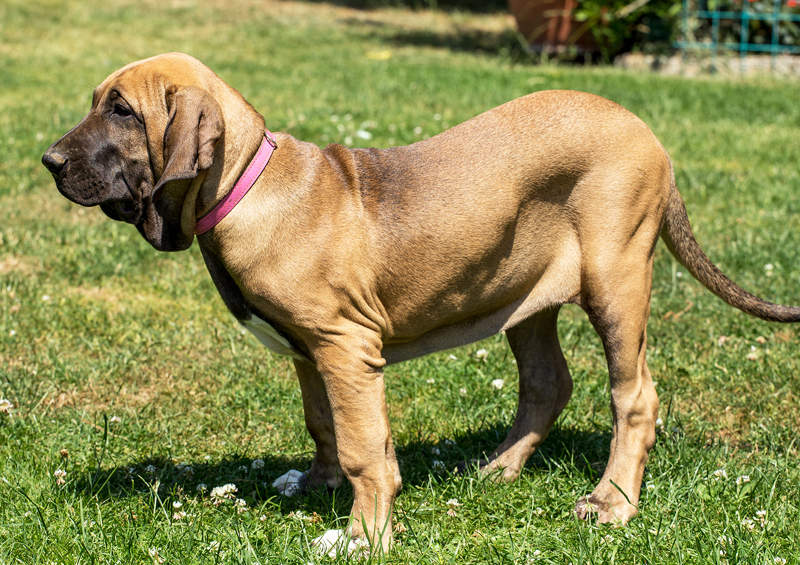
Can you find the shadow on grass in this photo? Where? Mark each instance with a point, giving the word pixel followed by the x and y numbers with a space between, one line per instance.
pixel 583 452
pixel 505 43
pixel 476 6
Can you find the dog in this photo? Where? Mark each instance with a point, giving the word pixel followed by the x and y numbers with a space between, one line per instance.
pixel 349 259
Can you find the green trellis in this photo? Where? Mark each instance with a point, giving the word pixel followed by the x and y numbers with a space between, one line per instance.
pixel 780 14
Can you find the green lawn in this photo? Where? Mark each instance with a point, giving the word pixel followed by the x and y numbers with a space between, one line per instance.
pixel 125 370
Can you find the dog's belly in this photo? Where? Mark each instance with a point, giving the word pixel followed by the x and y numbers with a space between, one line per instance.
pixel 559 283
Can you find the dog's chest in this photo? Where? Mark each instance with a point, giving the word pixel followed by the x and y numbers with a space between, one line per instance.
pixel 270 337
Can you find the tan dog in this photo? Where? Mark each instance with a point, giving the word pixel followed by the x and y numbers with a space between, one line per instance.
pixel 351 259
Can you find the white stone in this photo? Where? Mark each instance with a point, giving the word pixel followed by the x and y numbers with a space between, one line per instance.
pixel 337 542
pixel 289 484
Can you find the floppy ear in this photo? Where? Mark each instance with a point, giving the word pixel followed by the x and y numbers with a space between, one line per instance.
pixel 194 125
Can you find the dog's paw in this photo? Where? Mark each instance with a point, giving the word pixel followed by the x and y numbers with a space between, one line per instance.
pixel 589 508
pixel 337 542
pixel 290 483
pixel 585 509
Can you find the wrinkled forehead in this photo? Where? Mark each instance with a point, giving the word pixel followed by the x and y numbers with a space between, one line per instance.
pixel 150 77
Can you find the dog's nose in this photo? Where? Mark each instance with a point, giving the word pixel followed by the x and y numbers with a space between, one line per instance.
pixel 54 161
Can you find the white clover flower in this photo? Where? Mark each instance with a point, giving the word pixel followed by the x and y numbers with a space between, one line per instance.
pixel 482 353
pixel 150 469
pixel 5 406
pixel 498 383
pixel 438 465
pixel 742 479
pixel 749 524
pixel 761 515
pixel 452 357
pixel 180 515
pixel 721 474
pixel 462 391
pixel 453 502
pixel 213 545
pixel 176 504
pixel 436 451
pixel 114 420
pixel 257 464
pixel 153 553
pixel 779 561
pixel 430 381
pixel 449 442
pixel 201 488
pixel 241 505
pixel 45 298
pixel 220 493
pixel 363 134
pixel 60 475
pixel 418 130
pixel 650 486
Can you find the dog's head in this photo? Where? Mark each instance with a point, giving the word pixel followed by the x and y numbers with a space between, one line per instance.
pixel 151 131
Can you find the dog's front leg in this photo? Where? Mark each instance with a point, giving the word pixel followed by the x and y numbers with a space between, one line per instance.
pixel 351 369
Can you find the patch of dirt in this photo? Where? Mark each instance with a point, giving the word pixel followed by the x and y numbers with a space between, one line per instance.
pixel 120 300
pixel 20 265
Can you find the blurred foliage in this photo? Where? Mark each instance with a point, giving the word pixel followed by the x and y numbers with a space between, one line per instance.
pixel 621 26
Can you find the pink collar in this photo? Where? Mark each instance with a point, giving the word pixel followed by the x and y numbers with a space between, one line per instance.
pixel 242 186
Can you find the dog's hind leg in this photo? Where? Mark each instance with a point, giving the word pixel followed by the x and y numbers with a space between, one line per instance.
pixel 325 469
pixel 617 299
pixel 545 387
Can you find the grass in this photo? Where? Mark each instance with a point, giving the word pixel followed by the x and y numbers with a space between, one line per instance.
pixel 124 367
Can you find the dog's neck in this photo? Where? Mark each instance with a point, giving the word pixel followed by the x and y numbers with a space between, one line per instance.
pixel 244 130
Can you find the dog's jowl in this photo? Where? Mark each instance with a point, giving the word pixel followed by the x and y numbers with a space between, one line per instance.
pixel 348 259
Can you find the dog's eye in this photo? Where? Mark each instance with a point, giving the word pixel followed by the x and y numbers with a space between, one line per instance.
pixel 121 111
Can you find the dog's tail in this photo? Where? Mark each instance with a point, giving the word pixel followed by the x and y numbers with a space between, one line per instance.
pixel 677 234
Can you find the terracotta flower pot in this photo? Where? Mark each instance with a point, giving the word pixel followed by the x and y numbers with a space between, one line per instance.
pixel 548 25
